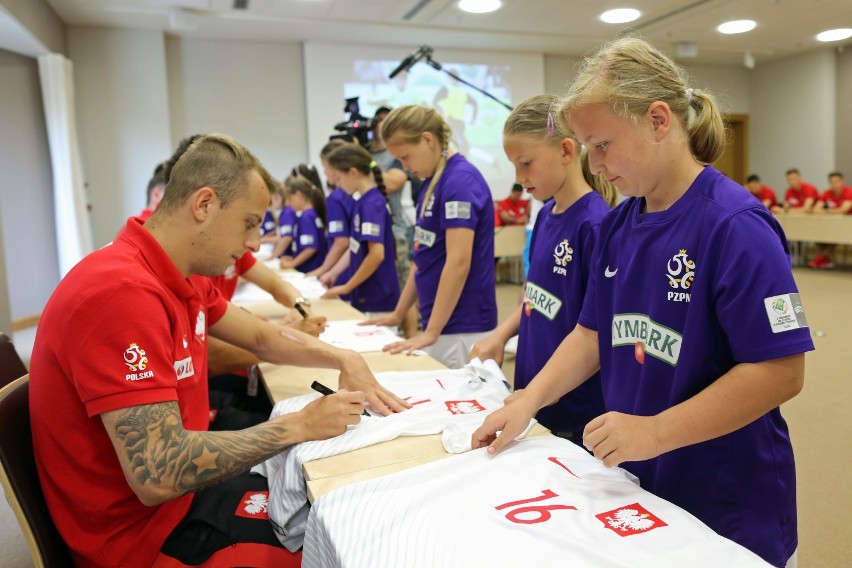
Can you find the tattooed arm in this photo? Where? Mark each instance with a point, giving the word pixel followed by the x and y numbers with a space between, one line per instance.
pixel 161 460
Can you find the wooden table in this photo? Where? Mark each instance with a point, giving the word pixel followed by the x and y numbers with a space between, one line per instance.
pixel 816 228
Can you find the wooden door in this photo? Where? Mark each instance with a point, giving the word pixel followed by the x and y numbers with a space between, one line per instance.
pixel 734 161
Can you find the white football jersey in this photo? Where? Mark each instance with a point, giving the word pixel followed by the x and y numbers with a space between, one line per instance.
pixel 461 398
pixel 541 502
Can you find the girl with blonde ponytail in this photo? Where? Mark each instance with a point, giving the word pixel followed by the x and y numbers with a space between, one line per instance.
pixel 452 273
pixel 550 164
pixel 692 314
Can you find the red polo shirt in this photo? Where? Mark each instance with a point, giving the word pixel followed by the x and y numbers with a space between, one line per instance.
pixel 765 193
pixel 796 199
pixel 833 201
pixel 123 328
pixel 227 283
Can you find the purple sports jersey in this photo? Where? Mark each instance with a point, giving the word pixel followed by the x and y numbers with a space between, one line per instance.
pixel 309 233
pixel 372 223
pixel 461 199
pixel 287 221
pixel 340 206
pixel 561 248
pixel 339 210
pixel 268 225
pixel 678 298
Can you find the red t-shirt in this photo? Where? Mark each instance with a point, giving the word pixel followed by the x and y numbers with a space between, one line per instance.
pixel 833 202
pixel 766 193
pixel 123 328
pixel 796 199
pixel 227 283
pixel 516 209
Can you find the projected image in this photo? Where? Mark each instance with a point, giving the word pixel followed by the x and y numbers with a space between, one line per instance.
pixel 475 119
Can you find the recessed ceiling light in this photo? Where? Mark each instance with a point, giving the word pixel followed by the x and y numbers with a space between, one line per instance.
pixel 835 35
pixel 479 6
pixel 737 26
pixel 620 16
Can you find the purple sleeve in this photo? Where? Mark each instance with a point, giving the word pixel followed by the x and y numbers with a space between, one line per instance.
pixel 308 232
pixel 461 201
pixel 286 221
pixel 374 219
pixel 757 301
pixel 338 222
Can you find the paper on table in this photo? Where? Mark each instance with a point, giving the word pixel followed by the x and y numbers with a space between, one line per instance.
pixel 347 334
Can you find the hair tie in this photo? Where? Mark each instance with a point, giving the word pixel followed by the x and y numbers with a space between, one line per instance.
pixel 689 92
pixel 550 124
pixel 373 165
pixel 445 153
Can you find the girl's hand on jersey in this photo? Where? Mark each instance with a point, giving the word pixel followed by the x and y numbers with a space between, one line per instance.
pixel 328 279
pixel 502 426
pixel 408 346
pixel 513 397
pixel 389 320
pixel 488 348
pixel 616 438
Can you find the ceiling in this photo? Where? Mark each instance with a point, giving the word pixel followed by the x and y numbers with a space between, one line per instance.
pixel 562 27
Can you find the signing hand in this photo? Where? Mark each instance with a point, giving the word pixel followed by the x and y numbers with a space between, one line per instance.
pixel 329 416
pixel 355 375
pixel 314 325
pixel 615 438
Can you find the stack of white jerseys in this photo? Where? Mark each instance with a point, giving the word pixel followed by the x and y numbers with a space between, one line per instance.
pixel 541 502
pixel 453 402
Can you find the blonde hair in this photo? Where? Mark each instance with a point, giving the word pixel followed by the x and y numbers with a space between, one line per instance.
pixel 629 74
pixel 405 125
pixel 534 118
pixel 216 161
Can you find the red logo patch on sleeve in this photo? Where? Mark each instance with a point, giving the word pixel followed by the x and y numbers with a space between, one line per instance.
pixel 629 520
pixel 254 505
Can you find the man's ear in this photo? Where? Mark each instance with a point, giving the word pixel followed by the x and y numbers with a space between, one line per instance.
pixel 203 200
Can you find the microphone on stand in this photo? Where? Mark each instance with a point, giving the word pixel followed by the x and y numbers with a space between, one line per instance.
pixel 407 63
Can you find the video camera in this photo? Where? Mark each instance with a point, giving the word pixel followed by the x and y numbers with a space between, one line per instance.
pixel 357 127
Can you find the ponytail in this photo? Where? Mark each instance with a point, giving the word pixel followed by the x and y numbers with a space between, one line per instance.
pixel 706 128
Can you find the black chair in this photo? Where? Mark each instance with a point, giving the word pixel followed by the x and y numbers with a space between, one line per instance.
pixel 19 478
pixel 11 366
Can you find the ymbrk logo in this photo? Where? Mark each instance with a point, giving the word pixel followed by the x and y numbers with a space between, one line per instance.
pixel 463 406
pixel 134 358
pixel 629 520
pixel 646 337
pixel 254 505
pixel 680 273
pixel 562 255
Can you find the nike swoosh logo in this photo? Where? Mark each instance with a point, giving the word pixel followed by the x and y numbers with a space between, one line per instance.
pixel 610 273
